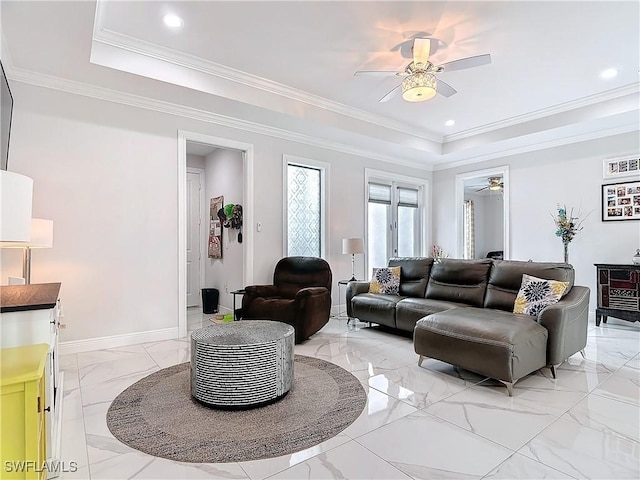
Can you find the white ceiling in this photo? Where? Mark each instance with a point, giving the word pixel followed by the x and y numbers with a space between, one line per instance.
pixel 290 65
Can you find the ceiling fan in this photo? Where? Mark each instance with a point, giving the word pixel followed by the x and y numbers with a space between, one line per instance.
pixel 495 184
pixel 420 82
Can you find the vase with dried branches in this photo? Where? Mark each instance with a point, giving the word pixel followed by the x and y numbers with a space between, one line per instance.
pixel 567 226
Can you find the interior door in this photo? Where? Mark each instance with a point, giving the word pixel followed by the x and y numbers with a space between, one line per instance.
pixel 193 239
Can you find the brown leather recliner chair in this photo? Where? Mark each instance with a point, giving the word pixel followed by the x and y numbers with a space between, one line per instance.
pixel 300 296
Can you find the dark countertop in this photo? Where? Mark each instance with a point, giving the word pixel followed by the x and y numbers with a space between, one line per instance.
pixel 36 296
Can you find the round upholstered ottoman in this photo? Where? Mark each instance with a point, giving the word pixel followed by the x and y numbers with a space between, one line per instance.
pixel 242 364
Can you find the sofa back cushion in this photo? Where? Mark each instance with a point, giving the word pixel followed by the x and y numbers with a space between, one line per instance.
pixel 506 278
pixel 414 274
pixel 461 281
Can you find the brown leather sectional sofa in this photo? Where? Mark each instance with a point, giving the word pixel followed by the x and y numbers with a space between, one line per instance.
pixel 460 312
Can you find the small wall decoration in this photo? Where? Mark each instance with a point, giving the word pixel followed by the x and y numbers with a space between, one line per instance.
pixel 231 217
pixel 215 228
pixel 621 201
pixel 622 167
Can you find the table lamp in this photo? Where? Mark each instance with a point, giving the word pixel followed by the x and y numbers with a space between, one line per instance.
pixel 41 237
pixel 352 246
pixel 16 195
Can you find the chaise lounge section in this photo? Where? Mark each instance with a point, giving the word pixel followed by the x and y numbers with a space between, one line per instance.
pixel 461 312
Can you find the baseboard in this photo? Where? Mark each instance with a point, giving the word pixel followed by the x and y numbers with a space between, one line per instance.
pixel 100 343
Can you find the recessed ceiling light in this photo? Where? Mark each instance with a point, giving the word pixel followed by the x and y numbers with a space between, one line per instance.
pixel 609 73
pixel 448 123
pixel 173 21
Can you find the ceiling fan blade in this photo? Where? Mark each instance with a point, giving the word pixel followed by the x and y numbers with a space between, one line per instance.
pixel 380 73
pixel 393 93
pixel 445 89
pixel 468 62
pixel 483 188
pixel 421 49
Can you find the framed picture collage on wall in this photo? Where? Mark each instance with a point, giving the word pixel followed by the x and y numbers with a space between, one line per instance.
pixel 621 201
pixel 628 166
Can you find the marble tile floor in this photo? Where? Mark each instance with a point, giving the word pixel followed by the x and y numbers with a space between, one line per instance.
pixel 423 422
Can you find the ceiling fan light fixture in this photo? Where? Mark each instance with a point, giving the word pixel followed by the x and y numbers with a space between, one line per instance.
pixel 419 87
pixel 495 183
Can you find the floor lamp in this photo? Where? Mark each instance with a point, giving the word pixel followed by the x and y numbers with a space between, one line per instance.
pixel 353 246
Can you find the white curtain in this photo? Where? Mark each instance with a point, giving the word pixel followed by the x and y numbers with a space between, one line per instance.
pixel 469 230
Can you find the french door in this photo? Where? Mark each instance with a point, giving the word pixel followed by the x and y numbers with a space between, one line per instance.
pixel 394 216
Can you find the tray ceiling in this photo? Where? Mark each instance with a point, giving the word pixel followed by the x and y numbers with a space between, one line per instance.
pixel 291 65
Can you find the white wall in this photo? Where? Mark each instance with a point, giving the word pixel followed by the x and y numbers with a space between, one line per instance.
pixel 223 176
pixel 106 174
pixel 492 205
pixel 571 175
pixel 488 222
pixel 195 161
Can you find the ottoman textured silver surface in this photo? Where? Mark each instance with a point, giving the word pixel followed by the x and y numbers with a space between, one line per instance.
pixel 241 364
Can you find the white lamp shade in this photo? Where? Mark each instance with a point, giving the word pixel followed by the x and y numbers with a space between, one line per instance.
pixel 41 233
pixel 16 197
pixel 352 245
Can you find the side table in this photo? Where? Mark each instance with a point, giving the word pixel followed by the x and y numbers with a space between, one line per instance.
pixel 343 313
pixel 235 293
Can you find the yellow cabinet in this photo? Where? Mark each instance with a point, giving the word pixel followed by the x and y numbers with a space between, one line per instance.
pixel 22 403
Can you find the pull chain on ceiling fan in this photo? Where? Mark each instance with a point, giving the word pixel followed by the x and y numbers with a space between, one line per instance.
pixel 421 82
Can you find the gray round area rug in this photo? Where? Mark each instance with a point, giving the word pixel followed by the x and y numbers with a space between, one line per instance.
pixel 158 416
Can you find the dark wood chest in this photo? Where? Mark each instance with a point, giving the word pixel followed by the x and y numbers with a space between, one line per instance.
pixel 618 292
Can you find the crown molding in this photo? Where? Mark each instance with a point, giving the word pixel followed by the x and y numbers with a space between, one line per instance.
pixel 633 127
pixel 5 53
pixel 613 94
pixel 138 101
pixel 164 54
pixel 100 93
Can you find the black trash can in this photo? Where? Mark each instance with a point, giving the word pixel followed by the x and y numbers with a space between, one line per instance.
pixel 210 300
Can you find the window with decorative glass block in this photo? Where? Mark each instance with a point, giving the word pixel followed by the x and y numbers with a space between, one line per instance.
pixel 394 213
pixel 305 210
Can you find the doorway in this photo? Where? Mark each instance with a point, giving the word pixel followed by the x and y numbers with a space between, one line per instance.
pixel 196 231
pixel 190 142
pixel 482 213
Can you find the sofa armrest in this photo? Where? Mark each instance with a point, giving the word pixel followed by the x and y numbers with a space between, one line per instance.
pixel 311 292
pixel 353 289
pixel 261 291
pixel 312 311
pixel 566 322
